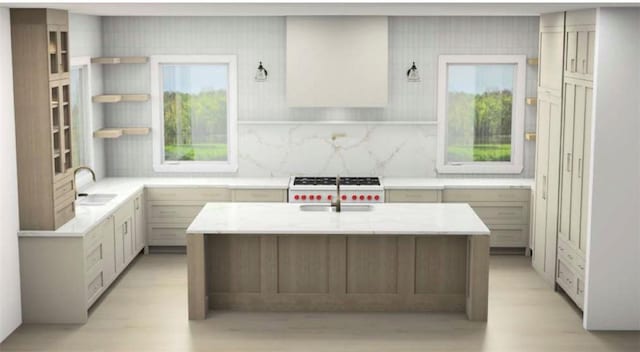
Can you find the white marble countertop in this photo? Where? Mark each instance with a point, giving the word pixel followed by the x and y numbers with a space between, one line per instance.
pixel 88 217
pixel 456 183
pixel 384 218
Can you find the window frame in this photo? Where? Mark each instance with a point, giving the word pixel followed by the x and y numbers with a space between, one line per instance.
pixel 515 166
pixel 159 164
pixel 84 63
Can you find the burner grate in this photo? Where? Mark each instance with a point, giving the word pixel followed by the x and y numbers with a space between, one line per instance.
pixel 328 181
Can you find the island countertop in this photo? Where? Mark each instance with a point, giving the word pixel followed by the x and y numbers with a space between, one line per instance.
pixel 383 219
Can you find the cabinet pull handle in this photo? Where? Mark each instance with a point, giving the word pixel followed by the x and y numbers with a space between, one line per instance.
pixel 544 187
pixel 584 66
pixel 579 167
pixel 569 162
pixel 573 65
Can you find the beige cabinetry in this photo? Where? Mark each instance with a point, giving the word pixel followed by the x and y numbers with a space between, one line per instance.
pixel 580 37
pixel 413 196
pixel 61 277
pixel 139 222
pixel 548 145
pixel 40 53
pixel 170 210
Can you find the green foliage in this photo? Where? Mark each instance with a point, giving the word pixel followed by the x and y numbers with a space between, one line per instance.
pixel 479 126
pixel 195 125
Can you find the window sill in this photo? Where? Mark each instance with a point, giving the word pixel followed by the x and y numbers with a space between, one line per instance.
pixel 186 167
pixel 479 169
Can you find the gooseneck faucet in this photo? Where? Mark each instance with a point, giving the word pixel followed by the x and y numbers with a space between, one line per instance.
pixel 79 168
pixel 337 203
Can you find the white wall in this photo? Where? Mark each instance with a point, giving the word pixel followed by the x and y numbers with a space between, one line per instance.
pixel 10 311
pixel 613 261
pixel 267 148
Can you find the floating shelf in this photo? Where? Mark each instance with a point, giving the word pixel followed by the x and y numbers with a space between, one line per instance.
pixel 108 133
pixel 116 98
pixel 120 60
pixel 532 101
pixel 117 132
pixel 532 61
pixel 530 136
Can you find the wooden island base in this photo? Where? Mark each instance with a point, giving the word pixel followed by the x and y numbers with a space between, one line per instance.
pixel 315 273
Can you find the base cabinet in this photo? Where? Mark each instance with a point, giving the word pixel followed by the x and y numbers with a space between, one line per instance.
pixel 61 277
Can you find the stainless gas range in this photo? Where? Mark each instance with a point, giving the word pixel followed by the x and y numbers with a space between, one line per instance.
pixel 324 190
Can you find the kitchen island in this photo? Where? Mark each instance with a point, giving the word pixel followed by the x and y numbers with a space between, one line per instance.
pixel 381 257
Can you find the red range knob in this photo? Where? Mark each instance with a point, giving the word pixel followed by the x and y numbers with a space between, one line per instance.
pixel 354 197
pixel 296 197
pixel 376 197
pixel 311 197
pixel 304 197
pixel 344 197
pixel 361 197
pixel 318 197
pixel 329 197
pixel 369 197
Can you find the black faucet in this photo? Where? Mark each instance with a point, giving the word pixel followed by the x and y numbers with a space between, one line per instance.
pixel 338 203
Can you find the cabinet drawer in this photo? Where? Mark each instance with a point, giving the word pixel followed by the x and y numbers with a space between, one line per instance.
pixel 580 293
pixel 567 279
pixel 413 196
pixel 503 215
pixel 486 195
pixel 64 212
pixel 167 235
pixel 205 194
pixel 172 213
pixel 95 287
pixel 509 236
pixel 64 188
pixel 91 239
pixel 571 256
pixel 94 257
pixel 259 195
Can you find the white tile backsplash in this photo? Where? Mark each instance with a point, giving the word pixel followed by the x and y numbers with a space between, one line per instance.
pixel 283 149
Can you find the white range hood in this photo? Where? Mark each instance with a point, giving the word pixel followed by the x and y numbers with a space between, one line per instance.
pixel 337 61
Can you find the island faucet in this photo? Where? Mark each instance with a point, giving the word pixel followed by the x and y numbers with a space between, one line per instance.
pixel 75 172
pixel 337 204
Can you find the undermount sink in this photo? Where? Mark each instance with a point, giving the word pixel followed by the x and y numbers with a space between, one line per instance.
pixel 95 199
pixel 344 207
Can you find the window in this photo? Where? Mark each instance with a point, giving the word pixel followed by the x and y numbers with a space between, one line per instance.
pixel 481 113
pixel 194 113
pixel 81 117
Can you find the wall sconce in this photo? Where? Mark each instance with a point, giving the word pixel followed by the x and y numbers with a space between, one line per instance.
pixel 261 73
pixel 412 73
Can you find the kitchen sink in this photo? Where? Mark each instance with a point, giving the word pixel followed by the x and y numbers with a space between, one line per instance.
pixel 344 208
pixel 95 199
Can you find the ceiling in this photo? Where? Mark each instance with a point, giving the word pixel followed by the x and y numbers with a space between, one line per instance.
pixel 290 8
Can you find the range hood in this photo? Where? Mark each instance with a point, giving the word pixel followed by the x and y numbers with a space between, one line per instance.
pixel 337 61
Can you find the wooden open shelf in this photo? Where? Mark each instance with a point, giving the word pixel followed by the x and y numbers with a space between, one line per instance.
pixel 532 61
pixel 120 60
pixel 117 132
pixel 532 101
pixel 530 136
pixel 116 98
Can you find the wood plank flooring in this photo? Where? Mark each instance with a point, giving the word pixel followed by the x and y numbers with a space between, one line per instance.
pixel 147 311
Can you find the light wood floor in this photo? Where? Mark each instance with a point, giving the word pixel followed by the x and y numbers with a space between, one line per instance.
pixel 147 311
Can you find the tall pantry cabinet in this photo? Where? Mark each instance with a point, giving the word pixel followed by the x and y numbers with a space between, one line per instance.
pixel 40 53
pixel 560 216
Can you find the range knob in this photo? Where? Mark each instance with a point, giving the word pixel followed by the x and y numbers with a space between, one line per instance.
pixel 296 197
pixel 354 197
pixel 329 197
pixel 376 197
pixel 369 197
pixel 304 197
pixel 318 197
pixel 362 197
pixel 312 197
pixel 344 197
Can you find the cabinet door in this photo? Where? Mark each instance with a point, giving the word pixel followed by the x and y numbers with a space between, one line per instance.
pixel 108 245
pixel 591 49
pixel 140 232
pixel 551 52
pixel 119 246
pixel 582 51
pixel 577 165
pixel 567 161
pixel 58 49
pixel 586 165
pixel 124 238
pixel 571 51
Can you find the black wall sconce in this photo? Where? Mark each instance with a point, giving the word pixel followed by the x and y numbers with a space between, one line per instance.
pixel 412 73
pixel 261 73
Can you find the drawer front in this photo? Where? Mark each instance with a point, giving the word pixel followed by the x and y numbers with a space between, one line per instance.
pixel 95 287
pixel 167 236
pixel 571 256
pixel 486 195
pixel 506 236
pixel 413 196
pixel 172 213
pixel 92 238
pixel 580 293
pixel 94 257
pixel 64 213
pixel 63 189
pixel 567 279
pixel 503 215
pixel 205 194
pixel 259 195
pixel 123 213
